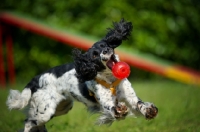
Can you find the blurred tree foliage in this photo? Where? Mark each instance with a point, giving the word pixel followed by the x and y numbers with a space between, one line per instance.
pixel 166 28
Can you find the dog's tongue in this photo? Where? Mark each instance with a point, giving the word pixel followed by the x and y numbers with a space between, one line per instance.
pixel 110 64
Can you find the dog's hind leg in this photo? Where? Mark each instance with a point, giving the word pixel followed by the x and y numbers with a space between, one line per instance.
pixel 37 118
pixel 35 129
pixel 42 108
pixel 39 129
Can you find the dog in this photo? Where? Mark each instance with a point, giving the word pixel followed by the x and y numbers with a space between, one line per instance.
pixel 89 80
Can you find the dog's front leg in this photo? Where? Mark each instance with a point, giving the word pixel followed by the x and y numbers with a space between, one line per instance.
pixel 126 93
pixel 107 103
pixel 110 109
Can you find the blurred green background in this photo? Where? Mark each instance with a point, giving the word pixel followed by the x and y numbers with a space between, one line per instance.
pixel 169 29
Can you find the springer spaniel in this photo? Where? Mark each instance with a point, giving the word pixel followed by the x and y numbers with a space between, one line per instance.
pixel 89 80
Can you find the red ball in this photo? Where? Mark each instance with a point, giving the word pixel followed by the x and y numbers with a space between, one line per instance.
pixel 121 70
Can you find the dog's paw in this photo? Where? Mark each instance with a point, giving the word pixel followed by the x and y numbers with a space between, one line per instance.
pixel 151 110
pixel 121 111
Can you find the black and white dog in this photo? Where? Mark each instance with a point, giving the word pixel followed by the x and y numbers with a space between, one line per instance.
pixel 88 80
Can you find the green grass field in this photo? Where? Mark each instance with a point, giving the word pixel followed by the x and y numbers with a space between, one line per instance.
pixel 178 106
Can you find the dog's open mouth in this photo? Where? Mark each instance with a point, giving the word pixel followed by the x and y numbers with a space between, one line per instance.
pixel 111 62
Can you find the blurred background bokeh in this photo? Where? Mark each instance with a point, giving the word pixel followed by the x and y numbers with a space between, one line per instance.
pixel 169 29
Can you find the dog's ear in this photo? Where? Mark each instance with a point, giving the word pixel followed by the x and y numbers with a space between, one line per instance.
pixel 120 31
pixel 85 69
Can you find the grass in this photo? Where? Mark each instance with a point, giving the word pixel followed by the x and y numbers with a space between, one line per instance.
pixel 178 106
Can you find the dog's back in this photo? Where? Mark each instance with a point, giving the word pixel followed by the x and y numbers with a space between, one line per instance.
pixel 17 100
pixel 50 94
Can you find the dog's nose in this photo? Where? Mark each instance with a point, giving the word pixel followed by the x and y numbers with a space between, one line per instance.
pixel 105 51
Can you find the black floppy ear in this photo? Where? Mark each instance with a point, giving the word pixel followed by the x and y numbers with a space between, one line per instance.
pixel 85 69
pixel 120 31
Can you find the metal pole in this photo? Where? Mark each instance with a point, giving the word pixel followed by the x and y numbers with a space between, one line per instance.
pixel 10 60
pixel 2 71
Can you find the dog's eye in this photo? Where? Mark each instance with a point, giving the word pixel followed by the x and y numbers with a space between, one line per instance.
pixel 95 54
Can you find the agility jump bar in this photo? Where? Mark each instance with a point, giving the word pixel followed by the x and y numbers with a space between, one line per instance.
pixel 176 72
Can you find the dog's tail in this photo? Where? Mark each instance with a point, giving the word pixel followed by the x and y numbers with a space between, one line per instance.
pixel 17 100
pixel 120 31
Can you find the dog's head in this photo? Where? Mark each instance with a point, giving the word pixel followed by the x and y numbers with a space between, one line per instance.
pixel 101 55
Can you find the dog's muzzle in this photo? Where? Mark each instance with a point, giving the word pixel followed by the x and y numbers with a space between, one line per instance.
pixel 106 54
